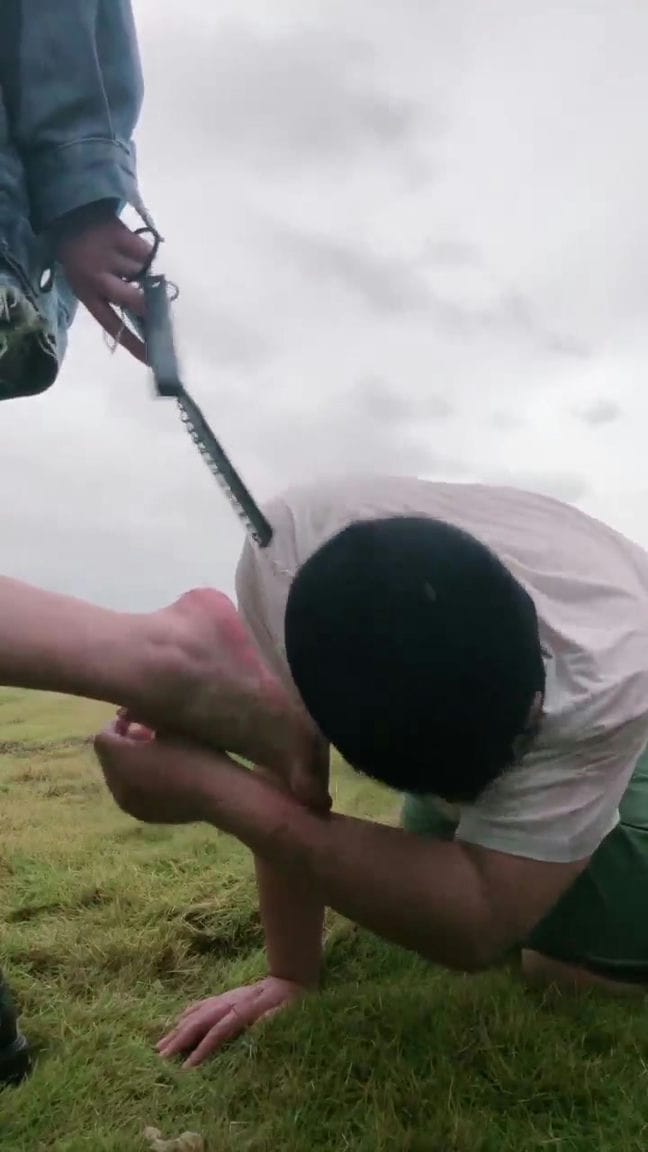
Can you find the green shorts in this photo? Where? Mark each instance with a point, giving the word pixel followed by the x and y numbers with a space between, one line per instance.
pixel 601 922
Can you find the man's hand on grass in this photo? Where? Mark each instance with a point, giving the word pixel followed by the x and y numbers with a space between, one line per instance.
pixel 208 1025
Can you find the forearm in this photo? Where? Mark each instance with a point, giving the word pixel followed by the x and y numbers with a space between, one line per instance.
pixel 292 914
pixel 423 895
pixel 73 89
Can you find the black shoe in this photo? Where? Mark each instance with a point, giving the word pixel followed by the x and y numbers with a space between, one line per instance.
pixel 15 1059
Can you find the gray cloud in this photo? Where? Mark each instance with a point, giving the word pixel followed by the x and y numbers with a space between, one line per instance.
pixel 451 253
pixel 388 285
pixel 391 257
pixel 392 285
pixel 389 403
pixel 222 339
pixel 517 310
pixel 568 486
pixel 600 412
pixel 373 427
pixel 505 420
pixel 282 98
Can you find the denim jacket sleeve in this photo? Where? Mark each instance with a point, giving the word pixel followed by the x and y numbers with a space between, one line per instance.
pixel 72 84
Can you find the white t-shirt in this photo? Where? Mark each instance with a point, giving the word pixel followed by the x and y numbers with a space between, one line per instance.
pixel 590 589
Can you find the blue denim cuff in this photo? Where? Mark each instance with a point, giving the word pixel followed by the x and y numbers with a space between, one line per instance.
pixel 80 173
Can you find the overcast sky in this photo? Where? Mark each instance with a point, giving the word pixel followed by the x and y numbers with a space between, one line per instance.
pixel 410 236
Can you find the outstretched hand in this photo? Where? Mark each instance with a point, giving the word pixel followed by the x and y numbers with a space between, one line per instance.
pixel 208 1025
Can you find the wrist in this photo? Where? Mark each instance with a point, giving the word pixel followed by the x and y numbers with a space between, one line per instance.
pixel 238 801
pixel 308 982
pixel 261 815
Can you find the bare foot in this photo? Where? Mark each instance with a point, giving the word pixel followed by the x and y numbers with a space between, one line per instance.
pixel 212 686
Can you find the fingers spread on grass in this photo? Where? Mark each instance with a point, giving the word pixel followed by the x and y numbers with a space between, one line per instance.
pixel 195 1007
pixel 168 1039
pixel 205 1027
pixel 231 1026
pixel 184 1038
pixel 194 1024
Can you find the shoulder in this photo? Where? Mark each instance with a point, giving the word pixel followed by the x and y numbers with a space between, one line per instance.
pixel 560 803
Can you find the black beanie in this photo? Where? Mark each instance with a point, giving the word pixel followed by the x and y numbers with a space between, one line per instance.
pixel 416 652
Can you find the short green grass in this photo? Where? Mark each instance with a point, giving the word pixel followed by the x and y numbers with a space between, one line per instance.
pixel 108 928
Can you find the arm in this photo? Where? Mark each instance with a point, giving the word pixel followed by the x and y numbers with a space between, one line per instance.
pixel 72 85
pixel 292 911
pixel 457 905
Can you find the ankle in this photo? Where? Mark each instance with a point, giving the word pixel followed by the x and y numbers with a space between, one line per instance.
pixel 288 735
pixel 165 667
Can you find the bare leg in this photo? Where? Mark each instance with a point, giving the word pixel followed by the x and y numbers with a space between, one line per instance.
pixel 170 668
pixel 540 970
pixel 59 644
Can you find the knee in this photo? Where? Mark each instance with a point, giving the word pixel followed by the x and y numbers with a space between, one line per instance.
pixel 544 971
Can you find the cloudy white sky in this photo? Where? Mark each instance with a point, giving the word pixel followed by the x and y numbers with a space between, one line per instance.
pixel 410 236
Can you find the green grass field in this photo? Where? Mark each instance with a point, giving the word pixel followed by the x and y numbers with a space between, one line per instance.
pixel 108 928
